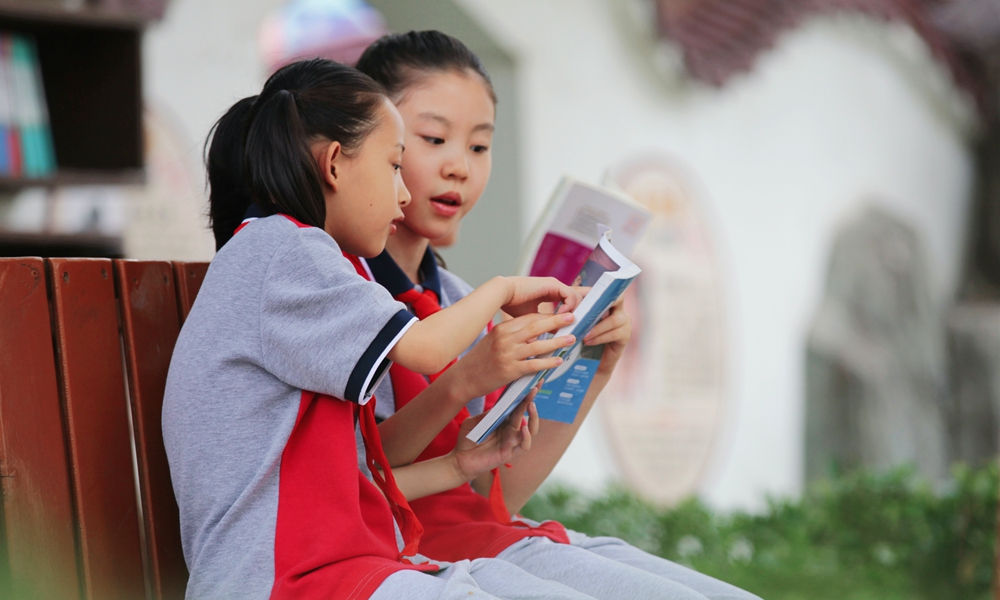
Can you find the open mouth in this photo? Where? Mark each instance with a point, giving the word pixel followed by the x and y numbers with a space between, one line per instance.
pixel 447 205
pixel 449 199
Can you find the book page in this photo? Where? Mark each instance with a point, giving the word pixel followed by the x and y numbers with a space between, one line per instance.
pixel 570 228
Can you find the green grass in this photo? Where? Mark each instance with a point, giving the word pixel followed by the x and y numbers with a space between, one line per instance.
pixel 859 536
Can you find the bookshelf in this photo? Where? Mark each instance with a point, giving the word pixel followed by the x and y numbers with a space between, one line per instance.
pixel 76 245
pixel 90 59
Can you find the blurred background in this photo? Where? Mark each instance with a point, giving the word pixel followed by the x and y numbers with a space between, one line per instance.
pixel 822 289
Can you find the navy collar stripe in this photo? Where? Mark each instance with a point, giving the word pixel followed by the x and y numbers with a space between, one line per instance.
pixel 391 277
pixel 253 212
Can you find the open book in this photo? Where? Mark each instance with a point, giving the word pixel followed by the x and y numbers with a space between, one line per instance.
pixel 608 273
pixel 560 244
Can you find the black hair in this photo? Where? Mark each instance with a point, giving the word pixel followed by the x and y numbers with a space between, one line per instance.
pixel 229 195
pixel 398 61
pixel 302 102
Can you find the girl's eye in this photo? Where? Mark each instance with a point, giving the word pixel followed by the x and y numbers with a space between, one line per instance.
pixel 480 149
pixel 396 167
pixel 433 140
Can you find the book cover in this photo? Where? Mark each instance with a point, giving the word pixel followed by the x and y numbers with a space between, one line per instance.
pixel 13 139
pixel 45 146
pixel 30 112
pixel 561 395
pixel 6 114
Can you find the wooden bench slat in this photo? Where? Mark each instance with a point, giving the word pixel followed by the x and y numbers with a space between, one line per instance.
pixel 150 325
pixel 37 543
pixel 95 411
pixel 189 277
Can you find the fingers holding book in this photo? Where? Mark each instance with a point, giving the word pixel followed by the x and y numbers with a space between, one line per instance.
pixel 527 293
pixel 509 351
pixel 502 446
pixel 616 327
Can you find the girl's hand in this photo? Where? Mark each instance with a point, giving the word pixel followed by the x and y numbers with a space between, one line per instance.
pixel 614 331
pixel 506 352
pixel 528 292
pixel 510 440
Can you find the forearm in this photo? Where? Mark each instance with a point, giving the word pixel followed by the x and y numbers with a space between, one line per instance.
pixel 529 470
pixel 428 477
pixel 429 345
pixel 407 432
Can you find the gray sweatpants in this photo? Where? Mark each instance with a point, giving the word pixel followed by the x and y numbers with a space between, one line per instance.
pixel 621 552
pixel 599 568
pixel 480 579
pixel 608 568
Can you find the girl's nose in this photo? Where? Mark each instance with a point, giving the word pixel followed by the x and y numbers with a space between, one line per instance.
pixel 403 195
pixel 457 168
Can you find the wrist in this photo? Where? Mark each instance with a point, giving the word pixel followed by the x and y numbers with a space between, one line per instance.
pixel 613 352
pixel 506 285
pixel 456 387
pixel 455 469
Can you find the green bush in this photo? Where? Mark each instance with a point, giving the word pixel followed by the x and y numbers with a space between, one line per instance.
pixel 858 536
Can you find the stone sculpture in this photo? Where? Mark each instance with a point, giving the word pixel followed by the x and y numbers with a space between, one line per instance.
pixel 876 383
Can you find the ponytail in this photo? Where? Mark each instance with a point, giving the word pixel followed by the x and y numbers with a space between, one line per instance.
pixel 301 103
pixel 230 195
pixel 281 169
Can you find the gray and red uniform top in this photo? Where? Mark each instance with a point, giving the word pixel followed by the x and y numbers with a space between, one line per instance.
pixel 273 368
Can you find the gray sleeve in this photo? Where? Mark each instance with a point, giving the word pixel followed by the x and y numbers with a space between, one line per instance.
pixel 454 288
pixel 324 328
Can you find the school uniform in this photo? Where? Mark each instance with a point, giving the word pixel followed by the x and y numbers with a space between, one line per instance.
pixel 280 353
pixel 274 366
pixel 461 524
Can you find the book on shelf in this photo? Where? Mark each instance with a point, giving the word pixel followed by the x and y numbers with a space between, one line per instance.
pixel 559 247
pixel 26 148
pixel 9 144
pixel 608 273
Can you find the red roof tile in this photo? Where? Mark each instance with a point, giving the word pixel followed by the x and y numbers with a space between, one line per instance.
pixel 720 38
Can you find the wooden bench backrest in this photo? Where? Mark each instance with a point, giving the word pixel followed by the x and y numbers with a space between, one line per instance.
pixel 84 343
pixel 188 276
pixel 95 409
pixel 38 533
pixel 150 325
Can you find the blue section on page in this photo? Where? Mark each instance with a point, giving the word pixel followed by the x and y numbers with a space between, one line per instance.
pixel 560 399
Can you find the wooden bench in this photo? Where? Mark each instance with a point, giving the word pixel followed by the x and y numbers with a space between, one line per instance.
pixel 87 509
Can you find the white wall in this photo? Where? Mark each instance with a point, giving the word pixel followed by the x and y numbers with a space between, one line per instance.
pixel 837 113
pixel 199 60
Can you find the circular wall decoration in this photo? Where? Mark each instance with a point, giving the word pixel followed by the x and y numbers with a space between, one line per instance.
pixel 665 403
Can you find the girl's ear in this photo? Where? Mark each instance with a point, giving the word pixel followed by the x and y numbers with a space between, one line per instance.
pixel 331 162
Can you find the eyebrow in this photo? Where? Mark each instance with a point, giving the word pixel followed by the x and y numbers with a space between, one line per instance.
pixel 435 117
pixel 444 121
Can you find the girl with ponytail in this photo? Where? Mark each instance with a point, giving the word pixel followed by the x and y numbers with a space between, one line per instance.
pixel 275 367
